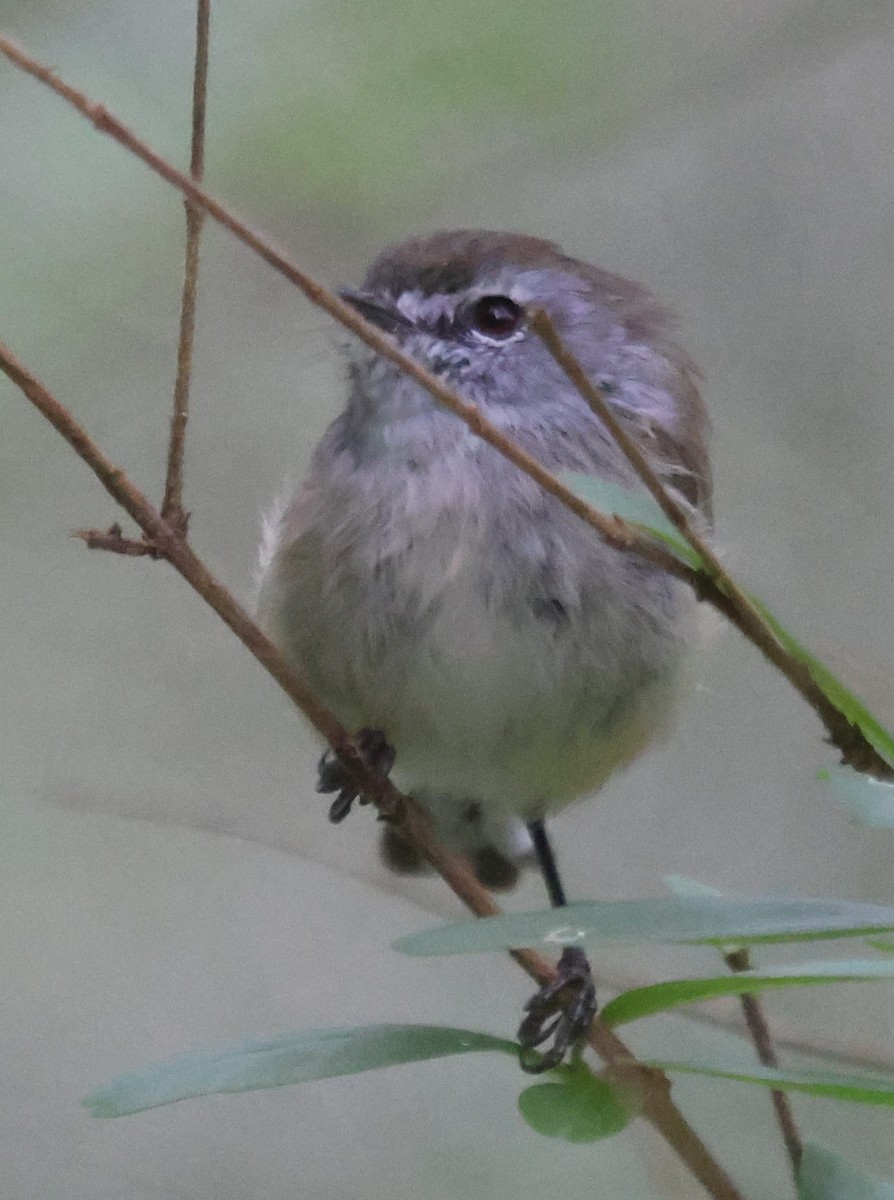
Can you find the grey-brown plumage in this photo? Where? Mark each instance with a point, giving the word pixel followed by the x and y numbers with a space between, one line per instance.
pixel 428 589
pixel 449 263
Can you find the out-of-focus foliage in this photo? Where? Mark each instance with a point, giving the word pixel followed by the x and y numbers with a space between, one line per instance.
pixel 367 99
pixel 287 1059
pixel 826 1176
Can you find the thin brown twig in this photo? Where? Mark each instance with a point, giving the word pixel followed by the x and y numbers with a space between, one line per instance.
pixel 658 1108
pixel 114 541
pixel 855 748
pixel 758 1027
pixel 172 509
pixel 543 325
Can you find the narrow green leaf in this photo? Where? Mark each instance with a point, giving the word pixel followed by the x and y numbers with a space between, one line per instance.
pixel 824 1175
pixel 715 920
pixel 880 944
pixel 659 997
pixel 288 1058
pixel 869 801
pixel 577 1106
pixel 858 1089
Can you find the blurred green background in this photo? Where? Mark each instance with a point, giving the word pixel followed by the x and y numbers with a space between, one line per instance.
pixel 169 877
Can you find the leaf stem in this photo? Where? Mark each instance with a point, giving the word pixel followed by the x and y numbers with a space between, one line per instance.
pixel 759 1031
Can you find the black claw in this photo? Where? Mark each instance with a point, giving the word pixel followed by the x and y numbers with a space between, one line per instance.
pixel 330 773
pixel 332 776
pixel 340 807
pixel 548 1019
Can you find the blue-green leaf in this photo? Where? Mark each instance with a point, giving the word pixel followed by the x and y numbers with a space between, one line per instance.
pixel 685 885
pixel 716 920
pixel 858 1089
pixel 659 997
pixel 824 1175
pixel 869 801
pixel 288 1058
pixel 577 1106
pixel 636 506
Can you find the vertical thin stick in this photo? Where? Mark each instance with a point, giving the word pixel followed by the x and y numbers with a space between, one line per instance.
pixel 759 1032
pixel 172 509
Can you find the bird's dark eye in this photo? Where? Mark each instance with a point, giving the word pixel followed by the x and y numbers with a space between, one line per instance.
pixel 496 316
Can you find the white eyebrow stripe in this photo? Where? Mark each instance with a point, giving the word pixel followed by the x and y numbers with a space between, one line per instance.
pixel 425 310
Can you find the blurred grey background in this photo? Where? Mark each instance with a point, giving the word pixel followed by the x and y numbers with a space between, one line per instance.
pixel 169 878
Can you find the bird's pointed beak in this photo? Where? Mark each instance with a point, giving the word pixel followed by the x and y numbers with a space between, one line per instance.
pixel 380 312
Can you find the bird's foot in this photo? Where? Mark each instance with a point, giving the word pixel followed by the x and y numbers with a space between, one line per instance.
pixel 378 753
pixel 561 1012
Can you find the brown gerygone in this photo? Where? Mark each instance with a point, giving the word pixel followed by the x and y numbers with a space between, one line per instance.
pixel 438 599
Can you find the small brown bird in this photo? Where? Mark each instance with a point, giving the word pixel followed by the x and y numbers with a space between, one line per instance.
pixel 483 637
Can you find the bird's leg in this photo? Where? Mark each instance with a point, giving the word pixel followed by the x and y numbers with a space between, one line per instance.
pixel 561 1011
pixel 378 753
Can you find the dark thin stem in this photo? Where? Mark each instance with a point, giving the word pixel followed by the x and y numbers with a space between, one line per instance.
pixel 785 1118
pixel 172 509
pixel 658 1108
pixel 759 1031
pixel 547 862
pixel 543 326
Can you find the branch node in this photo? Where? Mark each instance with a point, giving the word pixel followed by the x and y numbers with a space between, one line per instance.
pixel 114 540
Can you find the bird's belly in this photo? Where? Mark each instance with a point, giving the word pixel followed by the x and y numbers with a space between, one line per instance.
pixel 515 733
pixel 486 701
